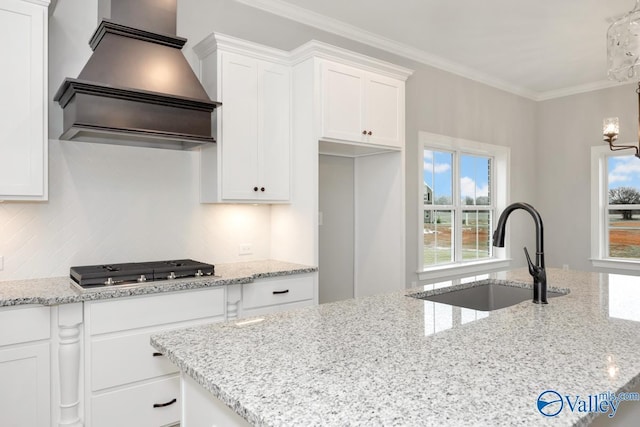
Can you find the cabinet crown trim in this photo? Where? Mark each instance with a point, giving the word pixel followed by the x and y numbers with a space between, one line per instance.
pixel 311 49
pixel 215 41
pixel 318 49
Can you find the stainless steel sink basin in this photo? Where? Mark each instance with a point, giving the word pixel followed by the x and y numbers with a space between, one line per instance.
pixel 485 295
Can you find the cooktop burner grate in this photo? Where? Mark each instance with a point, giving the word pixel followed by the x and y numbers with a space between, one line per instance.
pixel 138 272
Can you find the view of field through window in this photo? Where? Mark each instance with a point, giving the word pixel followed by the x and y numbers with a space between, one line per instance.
pixel 466 220
pixel 623 177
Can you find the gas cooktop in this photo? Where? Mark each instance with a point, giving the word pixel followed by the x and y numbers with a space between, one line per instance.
pixel 91 276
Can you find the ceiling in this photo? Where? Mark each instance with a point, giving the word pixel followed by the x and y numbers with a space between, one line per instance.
pixel 540 49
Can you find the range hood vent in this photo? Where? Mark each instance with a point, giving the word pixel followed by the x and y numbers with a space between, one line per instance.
pixel 137 88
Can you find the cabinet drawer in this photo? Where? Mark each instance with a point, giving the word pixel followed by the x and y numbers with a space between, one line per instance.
pixel 144 311
pixel 126 359
pixel 266 292
pixel 24 324
pixel 133 406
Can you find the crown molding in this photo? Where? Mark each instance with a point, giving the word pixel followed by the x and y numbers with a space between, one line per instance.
pixel 340 28
pixel 331 25
pixel 575 90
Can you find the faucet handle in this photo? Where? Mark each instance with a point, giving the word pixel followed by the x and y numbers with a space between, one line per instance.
pixel 533 269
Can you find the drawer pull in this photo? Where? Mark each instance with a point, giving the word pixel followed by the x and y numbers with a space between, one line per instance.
pixel 157 354
pixel 162 405
pixel 286 291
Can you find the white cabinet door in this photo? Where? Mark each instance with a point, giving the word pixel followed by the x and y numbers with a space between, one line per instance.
pixel 274 294
pixel 239 141
pixel 23 108
pixel 342 102
pixel 274 132
pixel 384 110
pixel 360 106
pixel 252 160
pixel 24 388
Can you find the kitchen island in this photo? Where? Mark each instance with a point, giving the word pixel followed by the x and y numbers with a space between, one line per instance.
pixel 394 360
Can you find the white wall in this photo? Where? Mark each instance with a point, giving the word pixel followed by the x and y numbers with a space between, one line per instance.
pixel 114 204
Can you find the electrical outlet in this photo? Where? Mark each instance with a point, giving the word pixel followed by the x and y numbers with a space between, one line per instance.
pixel 245 249
pixel 1 263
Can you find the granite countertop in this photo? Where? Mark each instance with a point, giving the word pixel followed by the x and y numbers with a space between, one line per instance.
pixel 60 290
pixel 393 360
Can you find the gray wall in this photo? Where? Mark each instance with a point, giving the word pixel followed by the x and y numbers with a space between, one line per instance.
pixel 568 127
pixel 336 234
pixel 436 101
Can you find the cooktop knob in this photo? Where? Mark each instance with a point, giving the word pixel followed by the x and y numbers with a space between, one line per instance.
pixel 109 281
pixel 142 278
pixel 199 273
pixel 171 276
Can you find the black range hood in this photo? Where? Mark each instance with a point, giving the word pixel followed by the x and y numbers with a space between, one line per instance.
pixel 137 88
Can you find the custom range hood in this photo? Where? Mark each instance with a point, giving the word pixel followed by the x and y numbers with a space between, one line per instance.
pixel 137 88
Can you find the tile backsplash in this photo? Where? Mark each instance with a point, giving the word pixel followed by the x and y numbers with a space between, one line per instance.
pixel 110 203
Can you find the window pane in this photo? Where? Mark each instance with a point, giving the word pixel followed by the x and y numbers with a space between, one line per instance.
pixel 624 233
pixel 623 180
pixel 438 237
pixel 475 180
pixel 437 177
pixel 476 232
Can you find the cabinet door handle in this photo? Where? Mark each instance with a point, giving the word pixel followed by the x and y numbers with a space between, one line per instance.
pixel 162 405
pixel 286 291
pixel 262 189
pixel 369 133
pixel 364 132
pixel 255 188
pixel 157 354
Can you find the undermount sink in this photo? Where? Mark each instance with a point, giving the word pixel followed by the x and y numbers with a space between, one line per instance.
pixel 485 295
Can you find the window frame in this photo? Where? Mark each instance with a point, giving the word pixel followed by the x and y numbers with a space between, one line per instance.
pixel 600 210
pixel 500 159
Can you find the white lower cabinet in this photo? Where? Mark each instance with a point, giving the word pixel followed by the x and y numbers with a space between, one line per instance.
pixel 25 373
pixel 270 295
pixel 127 381
pixel 153 403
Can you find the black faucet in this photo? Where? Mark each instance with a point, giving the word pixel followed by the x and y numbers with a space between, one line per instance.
pixel 537 271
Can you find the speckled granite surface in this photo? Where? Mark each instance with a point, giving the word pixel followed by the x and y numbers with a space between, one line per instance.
pixel 393 360
pixel 59 290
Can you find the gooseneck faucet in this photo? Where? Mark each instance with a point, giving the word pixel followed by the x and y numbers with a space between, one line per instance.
pixel 537 271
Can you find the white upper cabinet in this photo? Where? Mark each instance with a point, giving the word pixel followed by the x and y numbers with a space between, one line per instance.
pixel 360 106
pixel 23 108
pixel 251 160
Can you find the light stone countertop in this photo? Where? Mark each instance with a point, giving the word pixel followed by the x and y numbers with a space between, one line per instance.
pixel 393 360
pixel 60 290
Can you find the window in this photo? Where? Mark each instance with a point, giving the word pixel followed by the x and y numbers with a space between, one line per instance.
pixel 615 209
pixel 463 184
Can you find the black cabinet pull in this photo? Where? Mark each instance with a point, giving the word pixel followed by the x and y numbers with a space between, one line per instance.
pixel 364 132
pixel 286 291
pixel 255 188
pixel 162 405
pixel 369 133
pixel 156 354
pixel 262 189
